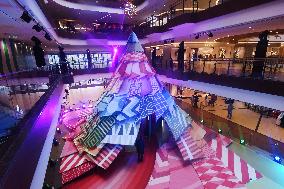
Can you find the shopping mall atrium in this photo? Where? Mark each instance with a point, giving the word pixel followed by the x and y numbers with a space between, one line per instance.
pixel 134 94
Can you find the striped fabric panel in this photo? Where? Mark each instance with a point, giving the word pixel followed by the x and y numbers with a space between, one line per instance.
pixel 124 134
pixel 215 175
pixel 189 148
pixel 76 172
pixel 68 149
pixel 96 135
pixel 240 167
pixel 177 121
pixel 72 161
pixel 107 155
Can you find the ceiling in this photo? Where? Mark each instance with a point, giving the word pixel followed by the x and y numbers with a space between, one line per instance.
pixel 11 26
pixel 49 12
pixel 106 3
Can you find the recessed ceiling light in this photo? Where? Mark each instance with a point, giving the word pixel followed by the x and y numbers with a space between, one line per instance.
pixel 277 32
pixel 250 27
pixel 228 35
pixel 270 31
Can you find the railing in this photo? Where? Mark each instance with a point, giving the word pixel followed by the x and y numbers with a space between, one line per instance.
pixel 233 130
pixel 273 68
pixel 13 139
pixel 185 11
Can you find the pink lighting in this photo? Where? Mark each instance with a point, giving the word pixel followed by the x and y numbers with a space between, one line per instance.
pixel 115 50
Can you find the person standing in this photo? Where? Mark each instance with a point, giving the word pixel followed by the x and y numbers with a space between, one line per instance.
pixel 171 63
pixel 195 99
pixel 230 103
pixel 139 144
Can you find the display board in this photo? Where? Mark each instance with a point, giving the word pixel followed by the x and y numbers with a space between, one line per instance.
pixel 80 61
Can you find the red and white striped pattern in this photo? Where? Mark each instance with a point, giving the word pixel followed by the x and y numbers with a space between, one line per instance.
pixel 72 161
pixel 107 155
pixel 68 149
pixel 215 175
pixel 241 168
pixel 84 113
pixel 188 147
pixel 134 65
pixel 76 172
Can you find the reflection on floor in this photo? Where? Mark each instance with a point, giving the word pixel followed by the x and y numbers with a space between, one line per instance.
pixel 241 116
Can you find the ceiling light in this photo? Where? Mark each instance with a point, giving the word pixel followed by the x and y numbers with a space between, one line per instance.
pixel 270 31
pixel 250 27
pixel 37 27
pixel 47 36
pixel 26 17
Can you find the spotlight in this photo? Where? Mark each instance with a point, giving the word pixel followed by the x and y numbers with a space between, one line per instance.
pixel 210 34
pixel 197 36
pixel 220 131
pixel 37 27
pixel 277 159
pixel 242 142
pixel 26 17
pixel 36 40
pixel 47 36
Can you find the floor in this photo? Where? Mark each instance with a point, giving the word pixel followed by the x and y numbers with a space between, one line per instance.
pixel 241 116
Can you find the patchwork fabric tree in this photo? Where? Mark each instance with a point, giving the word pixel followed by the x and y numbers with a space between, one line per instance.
pixel 134 93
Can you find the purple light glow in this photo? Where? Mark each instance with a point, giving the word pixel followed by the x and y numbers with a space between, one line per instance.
pixel 115 50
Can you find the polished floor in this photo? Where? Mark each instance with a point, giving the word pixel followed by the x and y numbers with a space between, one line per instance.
pixel 241 116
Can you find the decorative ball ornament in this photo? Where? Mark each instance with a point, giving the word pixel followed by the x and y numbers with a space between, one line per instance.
pixel 130 9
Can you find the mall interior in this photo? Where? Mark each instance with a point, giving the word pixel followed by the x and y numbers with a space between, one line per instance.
pixel 156 94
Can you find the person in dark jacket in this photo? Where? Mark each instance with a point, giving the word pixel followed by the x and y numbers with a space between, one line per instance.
pixel 282 122
pixel 139 144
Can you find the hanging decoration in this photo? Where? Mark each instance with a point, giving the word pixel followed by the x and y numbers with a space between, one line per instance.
pixel 130 9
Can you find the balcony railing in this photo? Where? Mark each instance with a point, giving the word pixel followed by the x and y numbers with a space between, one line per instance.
pixel 273 68
pixel 185 11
